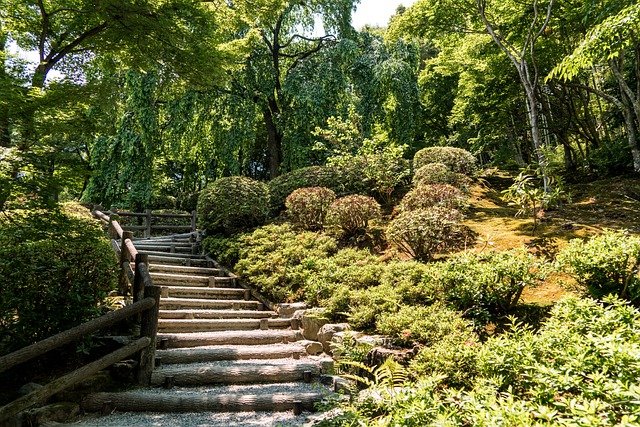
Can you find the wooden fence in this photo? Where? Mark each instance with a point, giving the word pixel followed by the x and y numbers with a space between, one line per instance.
pixel 149 226
pixel 134 276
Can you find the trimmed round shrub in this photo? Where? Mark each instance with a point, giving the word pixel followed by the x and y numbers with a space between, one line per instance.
pixel 439 173
pixel 308 207
pixel 341 180
pixel 233 202
pixel 425 232
pixel 456 159
pixel 352 213
pixel 56 269
pixel 426 196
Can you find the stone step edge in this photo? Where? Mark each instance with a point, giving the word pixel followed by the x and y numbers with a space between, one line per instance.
pixel 144 402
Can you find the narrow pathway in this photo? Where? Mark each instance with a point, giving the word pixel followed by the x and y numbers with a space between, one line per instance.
pixel 219 349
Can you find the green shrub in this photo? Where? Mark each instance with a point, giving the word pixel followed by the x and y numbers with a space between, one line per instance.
pixel 604 265
pixel 579 369
pixel 489 282
pixel 424 232
pixel 439 173
pixel 277 260
pixel 427 196
pixel 224 249
pixel 456 159
pixel 343 180
pixel 188 201
pixel 422 324
pixel 308 207
pixel 352 213
pixel 233 202
pixel 56 269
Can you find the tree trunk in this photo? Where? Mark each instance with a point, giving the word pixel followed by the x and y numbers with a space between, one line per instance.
pixel 630 124
pixel 274 139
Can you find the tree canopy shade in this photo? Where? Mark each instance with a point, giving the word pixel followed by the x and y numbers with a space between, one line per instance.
pixel 188 40
pixel 609 42
pixel 514 27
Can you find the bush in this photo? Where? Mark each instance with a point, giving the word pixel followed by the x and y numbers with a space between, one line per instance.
pixel 456 159
pixel 604 265
pixel 580 368
pixel 343 180
pixel 308 206
pixel 490 282
pixel 56 268
pixel 188 201
pixel 438 173
pixel 425 232
pixel 233 202
pixel 277 260
pixel 423 324
pixel 427 196
pixel 352 213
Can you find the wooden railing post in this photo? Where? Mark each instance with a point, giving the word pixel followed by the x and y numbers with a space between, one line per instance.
pixel 147 231
pixel 123 281
pixel 138 280
pixel 149 328
pixel 193 221
pixel 113 234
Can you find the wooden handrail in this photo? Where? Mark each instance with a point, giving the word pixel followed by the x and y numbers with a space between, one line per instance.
pixel 38 349
pixel 146 303
pixel 117 230
pixel 56 386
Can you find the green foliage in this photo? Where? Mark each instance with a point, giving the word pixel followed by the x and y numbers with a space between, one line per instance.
pixel 604 265
pixel 428 196
pixel 379 161
pixel 342 181
pixel 233 202
pixel 56 268
pixel 423 324
pixel 439 173
pixel 351 214
pixel 456 159
pixel 526 193
pixel 578 369
pixel 422 233
pixel 277 260
pixel 489 282
pixel 604 42
pixel 308 207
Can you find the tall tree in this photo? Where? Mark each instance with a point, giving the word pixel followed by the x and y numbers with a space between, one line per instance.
pixel 614 42
pixel 514 27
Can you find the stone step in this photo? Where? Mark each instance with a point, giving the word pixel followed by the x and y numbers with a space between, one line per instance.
pixel 272 398
pixel 172 303
pixel 180 269
pixel 170 255
pixel 208 325
pixel 255 337
pixel 215 314
pixel 179 261
pixel 165 248
pixel 186 280
pixel 231 352
pixel 205 293
pixel 238 372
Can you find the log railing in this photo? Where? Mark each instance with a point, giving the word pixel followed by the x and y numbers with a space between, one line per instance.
pixel 146 302
pixel 149 227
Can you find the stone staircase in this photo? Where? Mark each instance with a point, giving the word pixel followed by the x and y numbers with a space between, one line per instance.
pixel 220 349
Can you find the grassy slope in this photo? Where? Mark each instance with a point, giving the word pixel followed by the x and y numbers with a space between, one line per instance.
pixel 606 203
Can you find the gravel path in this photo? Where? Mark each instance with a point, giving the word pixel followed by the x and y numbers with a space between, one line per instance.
pixel 223 419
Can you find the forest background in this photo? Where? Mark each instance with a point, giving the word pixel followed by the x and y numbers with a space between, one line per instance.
pixel 160 98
